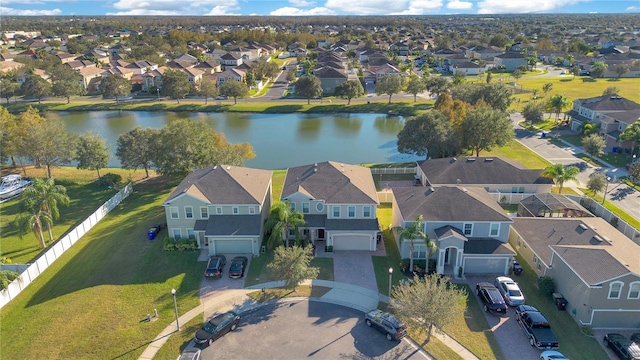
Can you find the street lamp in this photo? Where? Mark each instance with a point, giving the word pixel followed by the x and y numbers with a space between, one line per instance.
pixel 158 92
pixel 604 196
pixel 390 279
pixel 175 307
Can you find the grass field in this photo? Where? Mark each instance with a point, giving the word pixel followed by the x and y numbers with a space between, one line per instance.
pixel 516 151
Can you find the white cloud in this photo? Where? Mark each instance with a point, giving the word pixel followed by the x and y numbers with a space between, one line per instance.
pixel 222 10
pixel 301 3
pixel 632 9
pixel 291 11
pixel 173 7
pixel 459 5
pixel 521 6
pixel 23 12
pixel 419 7
pixel 367 7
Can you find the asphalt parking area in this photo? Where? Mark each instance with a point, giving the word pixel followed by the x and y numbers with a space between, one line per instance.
pixel 303 329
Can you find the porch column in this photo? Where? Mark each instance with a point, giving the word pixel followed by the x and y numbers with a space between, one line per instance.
pixel 440 264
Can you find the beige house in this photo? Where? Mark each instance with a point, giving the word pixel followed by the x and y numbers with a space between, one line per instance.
pixel 223 208
pixel 593 265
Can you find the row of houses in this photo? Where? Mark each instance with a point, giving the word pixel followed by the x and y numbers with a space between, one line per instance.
pixel 224 209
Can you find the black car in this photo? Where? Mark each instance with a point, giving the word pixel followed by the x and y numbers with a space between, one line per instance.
pixel 623 347
pixel 491 298
pixel 215 266
pixel 386 323
pixel 238 264
pixel 216 327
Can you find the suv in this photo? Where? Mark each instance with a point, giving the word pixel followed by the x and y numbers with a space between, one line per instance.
pixel 215 266
pixel 623 347
pixel 386 323
pixel 491 298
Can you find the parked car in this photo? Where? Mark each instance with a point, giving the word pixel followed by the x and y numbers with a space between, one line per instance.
pixel 536 327
pixel 238 264
pixel 623 347
pixel 222 97
pixel 491 298
pixel 552 355
pixel 386 323
pixel 510 291
pixel 215 266
pixel 190 354
pixel 216 328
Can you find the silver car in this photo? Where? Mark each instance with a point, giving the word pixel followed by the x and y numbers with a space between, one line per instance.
pixel 510 291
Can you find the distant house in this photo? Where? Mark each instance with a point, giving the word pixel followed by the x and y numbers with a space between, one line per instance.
pixel 91 75
pixel 330 78
pixel 22 77
pixel 230 60
pixel 209 67
pixel 9 65
pixel 229 75
pixel 223 208
pixel 152 80
pixel 593 266
pixel 469 68
pixel 511 61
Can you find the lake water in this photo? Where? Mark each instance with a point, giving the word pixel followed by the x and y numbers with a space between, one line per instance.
pixel 279 140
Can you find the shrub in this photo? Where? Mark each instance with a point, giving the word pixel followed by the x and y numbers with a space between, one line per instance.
pixel 6 277
pixel 109 180
pixel 546 285
pixel 169 244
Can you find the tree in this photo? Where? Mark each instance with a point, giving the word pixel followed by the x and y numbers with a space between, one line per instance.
pixel 598 69
pixel 575 70
pixel 114 86
pixel 495 95
pixel 429 133
pixel 9 135
pixel 92 153
pixel 136 149
pixel 39 204
pixel 37 87
pixel 389 85
pixel 293 265
pixel 632 133
pixel 281 220
pixel 489 77
pixel 517 74
pixel 558 102
pixel 560 174
pixel 533 112
pixel 546 88
pixel 413 232
pixel 175 84
pixel 593 145
pixel 622 69
pixel 454 110
pixel 458 77
pixel 499 40
pixel 484 128
pixel 67 88
pixel 235 89
pixel 437 85
pixel 415 86
pixel 291 74
pixel 349 89
pixel 9 88
pixel 428 303
pixel 611 90
pixel 207 88
pixel 597 182
pixel 634 172
pixel 308 86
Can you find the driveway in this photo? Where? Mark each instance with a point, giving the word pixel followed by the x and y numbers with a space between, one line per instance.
pixel 355 268
pixel 212 287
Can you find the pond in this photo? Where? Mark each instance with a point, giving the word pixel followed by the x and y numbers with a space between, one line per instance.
pixel 279 140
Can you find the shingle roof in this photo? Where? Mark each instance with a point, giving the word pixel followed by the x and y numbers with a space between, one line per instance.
pixel 609 103
pixel 225 185
pixel 448 204
pixel 594 266
pixel 487 246
pixel 352 224
pixel 233 225
pixel 332 182
pixel 448 230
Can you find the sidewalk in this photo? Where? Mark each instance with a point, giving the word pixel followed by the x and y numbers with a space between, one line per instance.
pixel 340 294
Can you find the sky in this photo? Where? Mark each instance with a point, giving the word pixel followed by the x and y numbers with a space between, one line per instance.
pixel 310 8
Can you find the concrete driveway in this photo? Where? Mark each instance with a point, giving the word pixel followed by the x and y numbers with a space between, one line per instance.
pixel 212 287
pixel 356 268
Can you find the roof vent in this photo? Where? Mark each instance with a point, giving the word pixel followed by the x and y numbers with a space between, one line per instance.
pixel 471 159
pixel 597 238
pixel 583 227
pixel 228 167
pixel 315 165
pixel 315 170
pixel 488 160
pixel 464 189
pixel 454 159
pixel 607 239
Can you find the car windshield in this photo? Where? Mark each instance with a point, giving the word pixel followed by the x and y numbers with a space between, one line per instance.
pixel 209 327
pixel 515 293
pixel 236 266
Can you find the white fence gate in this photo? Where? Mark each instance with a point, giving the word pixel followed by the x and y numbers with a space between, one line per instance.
pixel 45 260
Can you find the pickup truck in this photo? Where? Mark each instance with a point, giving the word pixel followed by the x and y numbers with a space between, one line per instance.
pixel 536 327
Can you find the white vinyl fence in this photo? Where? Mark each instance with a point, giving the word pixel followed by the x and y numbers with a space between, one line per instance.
pixel 389 171
pixel 45 260
pixel 509 198
pixel 599 210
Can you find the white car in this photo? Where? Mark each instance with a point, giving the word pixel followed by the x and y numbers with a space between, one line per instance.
pixel 510 291
pixel 552 355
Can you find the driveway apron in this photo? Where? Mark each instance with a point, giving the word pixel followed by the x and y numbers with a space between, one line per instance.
pixel 354 267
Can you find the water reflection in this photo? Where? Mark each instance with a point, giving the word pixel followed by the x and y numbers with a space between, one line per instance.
pixel 389 124
pixel 347 124
pixel 309 127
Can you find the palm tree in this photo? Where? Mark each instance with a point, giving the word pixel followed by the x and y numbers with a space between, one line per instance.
pixel 281 220
pixel 40 206
pixel 632 133
pixel 559 174
pixel 411 233
pixel 557 103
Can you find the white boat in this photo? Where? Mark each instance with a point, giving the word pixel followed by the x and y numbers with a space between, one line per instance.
pixel 13 185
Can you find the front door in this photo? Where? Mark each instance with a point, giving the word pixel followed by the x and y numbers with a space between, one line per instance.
pixel 321 235
pixel 446 256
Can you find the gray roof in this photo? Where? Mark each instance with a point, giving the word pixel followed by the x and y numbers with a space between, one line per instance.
pixel 332 182
pixel 448 204
pixel 446 231
pixel 315 221
pixel 352 224
pixel 226 185
pixel 594 266
pixel 233 225
pixel 479 171
pixel 609 103
pixel 487 247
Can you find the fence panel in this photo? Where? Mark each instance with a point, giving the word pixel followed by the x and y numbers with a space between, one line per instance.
pixel 599 210
pixel 392 171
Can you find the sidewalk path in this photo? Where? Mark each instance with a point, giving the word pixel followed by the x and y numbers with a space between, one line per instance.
pixel 341 294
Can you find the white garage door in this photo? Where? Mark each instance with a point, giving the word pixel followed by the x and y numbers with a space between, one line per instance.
pixel 485 265
pixel 239 246
pixel 352 242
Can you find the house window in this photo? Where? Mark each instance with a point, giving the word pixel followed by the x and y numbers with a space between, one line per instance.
pixel 494 230
pixel 634 290
pixel 188 212
pixel 219 210
pixel 236 211
pixel 252 210
pixel 291 232
pixel 305 207
pixel 177 234
pixel 292 206
pixel 514 189
pixel 468 229
pixel 352 211
pixel 521 190
pixel 191 234
pixel 336 211
pixel 174 212
pixel 319 207
pixel 615 288
pixel 419 251
pixel 366 211
pixel 204 212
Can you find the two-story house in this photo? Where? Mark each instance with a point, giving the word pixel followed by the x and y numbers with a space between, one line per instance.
pixel 511 61
pixel 594 267
pixel 223 208
pixel 229 60
pixel 339 203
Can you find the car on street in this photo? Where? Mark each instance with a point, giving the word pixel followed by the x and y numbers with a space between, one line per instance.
pixel 216 328
pixel 222 97
pixel 238 265
pixel 510 290
pixel 623 347
pixel 215 265
pixel 386 323
pixel 491 298
pixel 190 354
pixel 552 355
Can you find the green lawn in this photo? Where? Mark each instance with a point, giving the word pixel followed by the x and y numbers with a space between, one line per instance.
pixel 259 273
pixel 614 209
pixel 179 341
pixel 516 151
pixel 91 301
